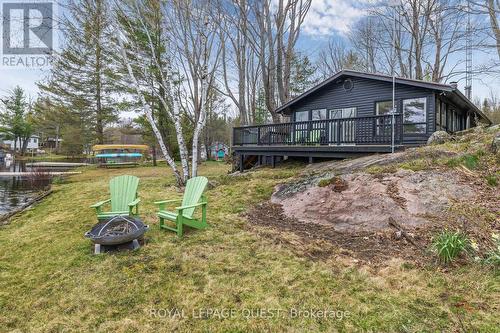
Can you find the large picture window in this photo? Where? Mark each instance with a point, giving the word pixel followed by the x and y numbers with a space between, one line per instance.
pixel 414 115
pixel 383 125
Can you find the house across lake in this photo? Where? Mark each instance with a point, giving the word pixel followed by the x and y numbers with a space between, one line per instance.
pixel 351 114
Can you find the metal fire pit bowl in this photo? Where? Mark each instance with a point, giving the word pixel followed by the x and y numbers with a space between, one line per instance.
pixel 117 230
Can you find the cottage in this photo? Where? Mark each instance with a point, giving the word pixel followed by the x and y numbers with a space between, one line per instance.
pixel 351 114
pixel 31 146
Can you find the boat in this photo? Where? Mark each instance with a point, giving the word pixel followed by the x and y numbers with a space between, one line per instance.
pixel 117 155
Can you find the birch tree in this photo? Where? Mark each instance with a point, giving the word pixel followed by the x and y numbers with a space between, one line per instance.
pixel 140 57
pixel 194 36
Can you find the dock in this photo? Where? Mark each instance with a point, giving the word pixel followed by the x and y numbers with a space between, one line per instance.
pixel 56 164
pixel 50 173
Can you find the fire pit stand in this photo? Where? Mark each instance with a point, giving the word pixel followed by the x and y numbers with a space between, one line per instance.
pixel 116 232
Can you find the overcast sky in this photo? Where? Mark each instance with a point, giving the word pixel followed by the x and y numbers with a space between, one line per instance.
pixel 326 19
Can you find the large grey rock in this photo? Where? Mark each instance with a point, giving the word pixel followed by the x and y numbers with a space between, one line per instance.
pixel 494 128
pixel 439 137
pixel 495 144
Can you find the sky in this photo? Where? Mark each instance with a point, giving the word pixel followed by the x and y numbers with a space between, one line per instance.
pixel 326 19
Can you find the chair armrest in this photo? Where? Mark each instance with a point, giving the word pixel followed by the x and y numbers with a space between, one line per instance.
pixel 161 204
pixel 100 203
pixel 134 203
pixel 166 201
pixel 181 208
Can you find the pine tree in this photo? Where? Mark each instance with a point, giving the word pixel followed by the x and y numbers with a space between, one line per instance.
pixel 302 75
pixel 16 120
pixel 82 75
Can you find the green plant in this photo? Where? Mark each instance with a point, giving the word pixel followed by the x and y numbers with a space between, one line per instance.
pixel 492 180
pixel 493 257
pixel 325 182
pixel 471 161
pixel 448 245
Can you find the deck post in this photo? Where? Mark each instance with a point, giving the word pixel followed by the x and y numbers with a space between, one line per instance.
pixel 241 162
pixel 339 124
pixel 259 160
pixel 311 160
pixel 273 161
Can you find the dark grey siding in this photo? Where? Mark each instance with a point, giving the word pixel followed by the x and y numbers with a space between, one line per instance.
pixel 363 96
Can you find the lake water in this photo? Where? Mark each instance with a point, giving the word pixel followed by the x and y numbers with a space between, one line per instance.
pixel 15 190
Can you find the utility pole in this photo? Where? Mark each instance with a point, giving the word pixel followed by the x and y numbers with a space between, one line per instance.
pixel 393 4
pixel 468 54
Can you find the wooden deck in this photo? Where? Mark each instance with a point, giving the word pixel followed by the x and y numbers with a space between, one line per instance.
pixel 328 138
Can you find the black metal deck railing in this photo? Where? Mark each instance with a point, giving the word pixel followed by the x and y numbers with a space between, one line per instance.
pixel 366 130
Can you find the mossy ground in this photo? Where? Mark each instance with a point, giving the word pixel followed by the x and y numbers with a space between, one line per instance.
pixel 51 282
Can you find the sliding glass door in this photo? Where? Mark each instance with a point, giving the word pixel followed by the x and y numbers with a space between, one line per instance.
pixel 343 132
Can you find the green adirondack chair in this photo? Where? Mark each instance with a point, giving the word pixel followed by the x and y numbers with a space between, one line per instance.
pixel 183 215
pixel 123 190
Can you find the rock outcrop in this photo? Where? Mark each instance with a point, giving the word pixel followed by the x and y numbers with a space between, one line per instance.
pixel 439 137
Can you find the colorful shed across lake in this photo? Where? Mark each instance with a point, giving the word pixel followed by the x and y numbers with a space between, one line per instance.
pixel 119 155
pixel 218 151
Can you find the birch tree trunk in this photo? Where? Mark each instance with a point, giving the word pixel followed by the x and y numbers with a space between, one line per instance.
pixel 148 112
pixel 170 104
pixel 200 124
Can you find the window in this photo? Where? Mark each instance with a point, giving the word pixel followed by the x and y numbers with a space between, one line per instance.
pixel 438 115
pixel 302 116
pixel 414 115
pixel 443 116
pixel 449 124
pixel 318 114
pixel 454 121
pixel 383 125
pixel 343 113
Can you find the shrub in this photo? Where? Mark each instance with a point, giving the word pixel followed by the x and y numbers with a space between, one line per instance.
pixel 449 245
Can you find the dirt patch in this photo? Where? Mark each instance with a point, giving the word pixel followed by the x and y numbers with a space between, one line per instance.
pixel 366 202
pixel 354 223
pixel 320 241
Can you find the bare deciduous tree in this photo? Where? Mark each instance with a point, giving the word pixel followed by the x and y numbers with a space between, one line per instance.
pixel 275 28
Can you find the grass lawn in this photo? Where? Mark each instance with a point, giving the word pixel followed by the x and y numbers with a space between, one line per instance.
pixel 51 282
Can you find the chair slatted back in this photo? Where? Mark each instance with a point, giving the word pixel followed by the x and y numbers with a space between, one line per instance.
pixel 194 190
pixel 123 190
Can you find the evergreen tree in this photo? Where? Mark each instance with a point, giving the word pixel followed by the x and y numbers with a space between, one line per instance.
pixel 83 73
pixel 16 121
pixel 48 120
pixel 303 75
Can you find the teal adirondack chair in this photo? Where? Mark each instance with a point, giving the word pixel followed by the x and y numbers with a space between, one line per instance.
pixel 123 191
pixel 183 215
